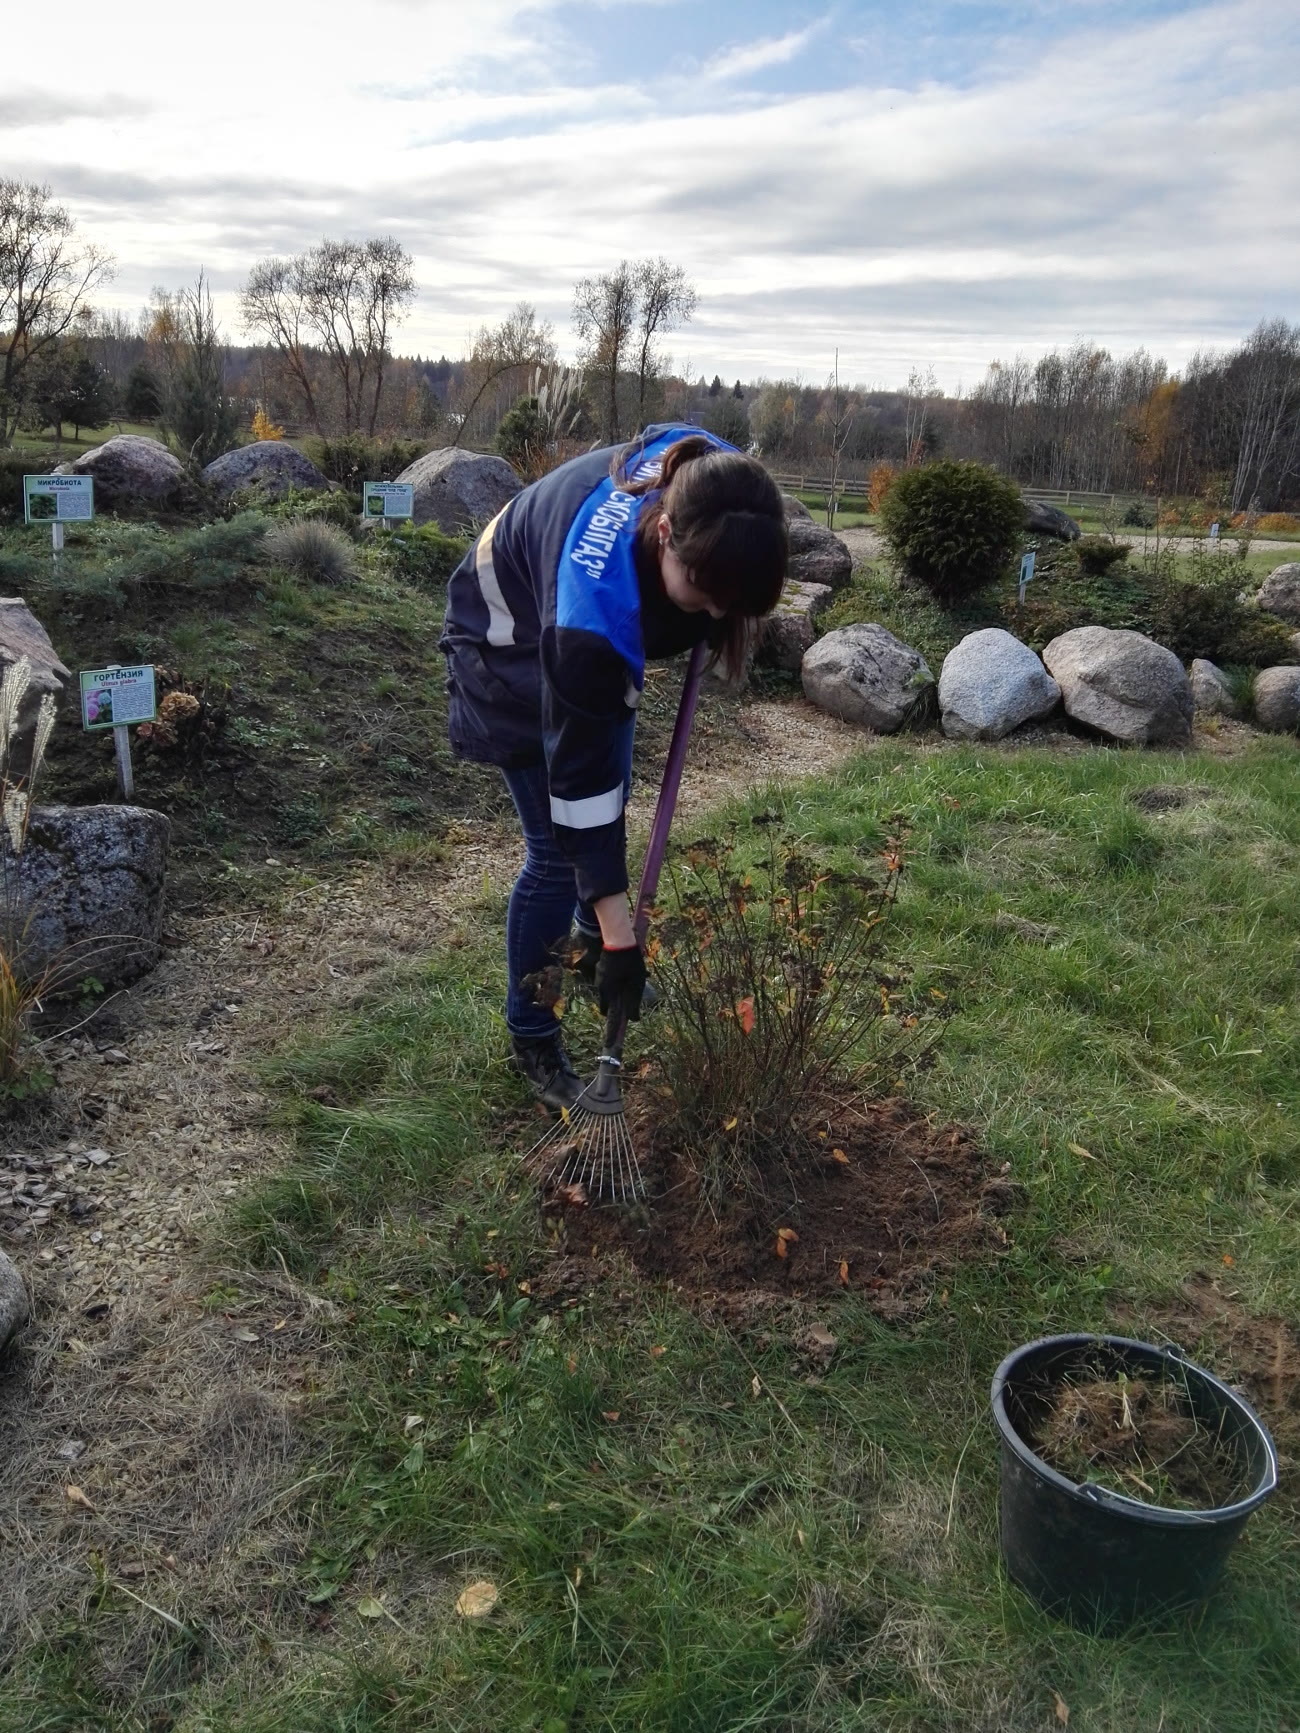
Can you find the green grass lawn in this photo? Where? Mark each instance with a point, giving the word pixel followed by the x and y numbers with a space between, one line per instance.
pixel 688 1529
pixel 45 447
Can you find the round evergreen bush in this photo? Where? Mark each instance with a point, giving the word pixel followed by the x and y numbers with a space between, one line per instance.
pixel 953 527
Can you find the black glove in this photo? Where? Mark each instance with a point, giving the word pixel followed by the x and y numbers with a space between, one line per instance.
pixel 584 954
pixel 620 981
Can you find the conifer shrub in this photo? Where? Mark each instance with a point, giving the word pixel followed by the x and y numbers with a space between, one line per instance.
pixel 351 459
pixel 422 554
pixel 1095 555
pixel 953 527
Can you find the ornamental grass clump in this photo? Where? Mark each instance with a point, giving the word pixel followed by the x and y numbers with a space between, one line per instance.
pixel 953 527
pixel 779 1010
pixel 313 551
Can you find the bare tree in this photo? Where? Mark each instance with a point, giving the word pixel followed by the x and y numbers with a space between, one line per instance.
pixel 666 297
pixel 46 278
pixel 273 305
pixel 838 415
pixel 605 317
pixel 342 298
pixel 518 344
pixel 921 387
pixel 1264 385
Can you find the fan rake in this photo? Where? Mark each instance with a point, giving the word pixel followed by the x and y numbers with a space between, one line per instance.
pixel 590 1146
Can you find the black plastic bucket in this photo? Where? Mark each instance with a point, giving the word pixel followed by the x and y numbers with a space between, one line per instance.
pixel 1092 1555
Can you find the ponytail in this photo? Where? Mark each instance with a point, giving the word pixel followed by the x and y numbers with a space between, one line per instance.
pixel 728 524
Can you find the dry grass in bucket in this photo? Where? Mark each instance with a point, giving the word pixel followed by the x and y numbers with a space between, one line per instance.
pixel 1140 1437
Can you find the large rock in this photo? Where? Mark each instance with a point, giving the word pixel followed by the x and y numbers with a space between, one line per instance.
pixel 1122 684
pixel 790 630
pixel 865 675
pixel 460 490
pixel 991 683
pixel 22 634
pixel 86 895
pixel 273 466
pixel 795 507
pixel 1211 693
pixel 1277 700
pixel 1280 592
pixel 15 1308
pixel 1042 519
pixel 817 555
pixel 130 470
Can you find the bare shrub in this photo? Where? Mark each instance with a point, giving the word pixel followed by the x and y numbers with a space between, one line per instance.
pixel 313 551
pixel 779 1005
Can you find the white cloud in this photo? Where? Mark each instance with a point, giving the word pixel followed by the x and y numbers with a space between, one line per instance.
pixel 752 57
pixel 1133 186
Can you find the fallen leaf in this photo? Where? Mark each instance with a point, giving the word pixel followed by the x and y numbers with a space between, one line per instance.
pixel 780 1248
pixel 1229 1259
pixel 477 1600
pixel 756 1385
pixel 573 1194
pixel 246 1335
pixel 787 1234
pixel 839 1155
pixel 571 1364
pixel 844 1272
pixel 745 1015
pixel 412 1421
pixel 801 1537
pixel 370 1608
pixel 1087 1155
pixel 577 1577
pixel 524 1287
pixel 731 1124
pixel 657 1353
pixel 1062 1709
pixel 610 1413
pixel 75 1495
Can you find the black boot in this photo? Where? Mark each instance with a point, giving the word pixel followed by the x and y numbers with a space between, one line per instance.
pixel 548 1070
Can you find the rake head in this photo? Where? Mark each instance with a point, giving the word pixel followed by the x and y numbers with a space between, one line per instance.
pixel 589 1145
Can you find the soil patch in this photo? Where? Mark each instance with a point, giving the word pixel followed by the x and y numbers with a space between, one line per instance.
pixel 880 1206
pixel 1258 1355
pixel 1139 1437
pixel 1164 797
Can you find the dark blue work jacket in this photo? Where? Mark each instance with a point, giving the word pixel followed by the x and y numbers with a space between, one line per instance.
pixel 550 620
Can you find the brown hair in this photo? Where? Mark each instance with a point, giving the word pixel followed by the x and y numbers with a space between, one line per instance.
pixel 728 524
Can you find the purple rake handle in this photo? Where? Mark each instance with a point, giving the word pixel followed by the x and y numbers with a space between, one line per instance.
pixel 616 1025
pixel 667 802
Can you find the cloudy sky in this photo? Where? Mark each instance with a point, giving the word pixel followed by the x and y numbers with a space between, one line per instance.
pixel 930 183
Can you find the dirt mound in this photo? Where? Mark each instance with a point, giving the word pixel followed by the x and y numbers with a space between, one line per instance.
pixel 879 1206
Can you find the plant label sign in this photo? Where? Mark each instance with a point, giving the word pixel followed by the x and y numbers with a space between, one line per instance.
pixel 112 697
pixel 58 498
pixel 1026 570
pixel 1214 532
pixel 388 499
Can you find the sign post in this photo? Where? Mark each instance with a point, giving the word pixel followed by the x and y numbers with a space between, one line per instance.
pixel 56 500
pixel 1026 572
pixel 388 500
pixel 1214 531
pixel 114 697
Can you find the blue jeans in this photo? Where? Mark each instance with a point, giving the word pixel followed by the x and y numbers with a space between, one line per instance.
pixel 544 904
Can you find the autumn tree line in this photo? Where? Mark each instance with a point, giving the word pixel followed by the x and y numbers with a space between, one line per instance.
pixel 319 355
